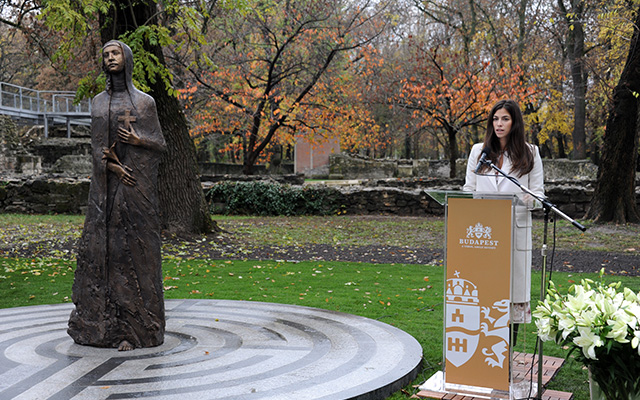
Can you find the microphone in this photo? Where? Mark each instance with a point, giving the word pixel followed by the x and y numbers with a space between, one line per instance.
pixel 483 158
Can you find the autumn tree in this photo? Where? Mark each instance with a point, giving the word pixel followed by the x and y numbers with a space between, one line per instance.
pixel 605 63
pixel 462 67
pixel 566 49
pixel 271 66
pixel 588 34
pixel 146 27
pixel 402 135
pixel 471 53
pixel 614 198
pixel 573 13
pixel 28 47
pixel 14 67
pixel 449 93
pixel 182 202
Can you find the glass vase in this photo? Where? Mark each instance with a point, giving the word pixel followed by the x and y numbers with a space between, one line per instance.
pixel 595 393
pixel 594 390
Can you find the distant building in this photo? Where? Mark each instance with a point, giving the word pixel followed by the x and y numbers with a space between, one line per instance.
pixel 313 159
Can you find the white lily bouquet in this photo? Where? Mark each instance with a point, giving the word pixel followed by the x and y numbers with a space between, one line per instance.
pixel 603 323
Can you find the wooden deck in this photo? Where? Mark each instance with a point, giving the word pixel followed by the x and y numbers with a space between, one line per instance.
pixel 522 370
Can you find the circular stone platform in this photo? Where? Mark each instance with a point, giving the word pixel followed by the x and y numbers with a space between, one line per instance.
pixel 214 349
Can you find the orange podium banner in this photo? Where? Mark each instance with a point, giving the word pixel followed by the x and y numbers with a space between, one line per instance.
pixel 478 290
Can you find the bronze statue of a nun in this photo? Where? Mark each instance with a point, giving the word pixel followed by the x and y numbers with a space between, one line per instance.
pixel 117 291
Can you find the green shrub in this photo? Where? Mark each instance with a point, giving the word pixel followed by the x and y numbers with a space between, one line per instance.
pixel 271 198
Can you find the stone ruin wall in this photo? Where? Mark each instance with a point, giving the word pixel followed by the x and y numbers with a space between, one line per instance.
pixel 47 194
pixel 342 166
pixel 53 177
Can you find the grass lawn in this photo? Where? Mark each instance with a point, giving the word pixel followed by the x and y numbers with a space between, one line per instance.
pixel 407 296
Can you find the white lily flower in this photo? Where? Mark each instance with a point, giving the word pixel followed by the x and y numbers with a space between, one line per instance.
pixel 588 341
pixel 636 340
pixel 587 318
pixel 630 295
pixel 543 310
pixel 545 329
pixel 579 300
pixel 619 326
pixel 634 310
pixel 585 313
pixel 566 325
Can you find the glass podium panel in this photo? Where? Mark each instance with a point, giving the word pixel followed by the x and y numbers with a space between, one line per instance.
pixel 479 251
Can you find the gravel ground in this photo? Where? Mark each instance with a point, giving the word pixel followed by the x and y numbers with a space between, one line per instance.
pixel 229 247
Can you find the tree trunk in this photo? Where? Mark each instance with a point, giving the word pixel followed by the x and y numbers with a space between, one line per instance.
pixel 575 50
pixel 249 161
pixel 614 198
pixel 522 29
pixel 182 203
pixel 453 150
pixel 407 146
pixel 561 151
pixel 580 105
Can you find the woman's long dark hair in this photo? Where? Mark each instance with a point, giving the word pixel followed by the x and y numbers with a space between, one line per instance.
pixel 519 151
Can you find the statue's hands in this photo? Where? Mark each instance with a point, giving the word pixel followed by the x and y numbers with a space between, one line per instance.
pixel 123 173
pixel 110 154
pixel 114 165
pixel 129 136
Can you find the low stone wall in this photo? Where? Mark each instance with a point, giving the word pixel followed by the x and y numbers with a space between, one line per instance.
pixel 411 198
pixel 215 169
pixel 388 201
pixel 50 150
pixel 342 166
pixel 289 179
pixel 14 158
pixel 64 195
pixel 61 194
pixel 44 195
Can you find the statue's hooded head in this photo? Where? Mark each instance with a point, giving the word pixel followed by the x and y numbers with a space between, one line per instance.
pixel 128 66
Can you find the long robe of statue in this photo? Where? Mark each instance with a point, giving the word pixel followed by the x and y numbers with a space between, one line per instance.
pixel 117 291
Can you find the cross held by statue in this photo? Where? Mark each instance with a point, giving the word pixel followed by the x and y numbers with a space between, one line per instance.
pixel 127 119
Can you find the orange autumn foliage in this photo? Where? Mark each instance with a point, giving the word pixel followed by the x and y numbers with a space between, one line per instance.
pixel 298 80
pixel 447 93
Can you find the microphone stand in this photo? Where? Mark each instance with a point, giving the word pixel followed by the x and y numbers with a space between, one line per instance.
pixel 548 207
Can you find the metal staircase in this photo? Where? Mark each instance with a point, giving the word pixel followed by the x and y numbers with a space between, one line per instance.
pixel 43 107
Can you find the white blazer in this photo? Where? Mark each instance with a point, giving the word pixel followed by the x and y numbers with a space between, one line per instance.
pixel 492 183
pixel 487 182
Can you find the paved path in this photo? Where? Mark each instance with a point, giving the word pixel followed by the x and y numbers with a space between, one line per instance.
pixel 214 349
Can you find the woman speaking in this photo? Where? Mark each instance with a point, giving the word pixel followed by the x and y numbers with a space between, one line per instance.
pixel 506 147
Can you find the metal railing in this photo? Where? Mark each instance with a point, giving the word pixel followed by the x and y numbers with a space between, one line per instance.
pixel 43 106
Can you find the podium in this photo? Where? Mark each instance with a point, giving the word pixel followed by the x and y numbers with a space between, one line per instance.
pixel 481 244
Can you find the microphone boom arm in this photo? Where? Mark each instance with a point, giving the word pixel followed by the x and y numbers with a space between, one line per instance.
pixel 548 207
pixel 545 203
